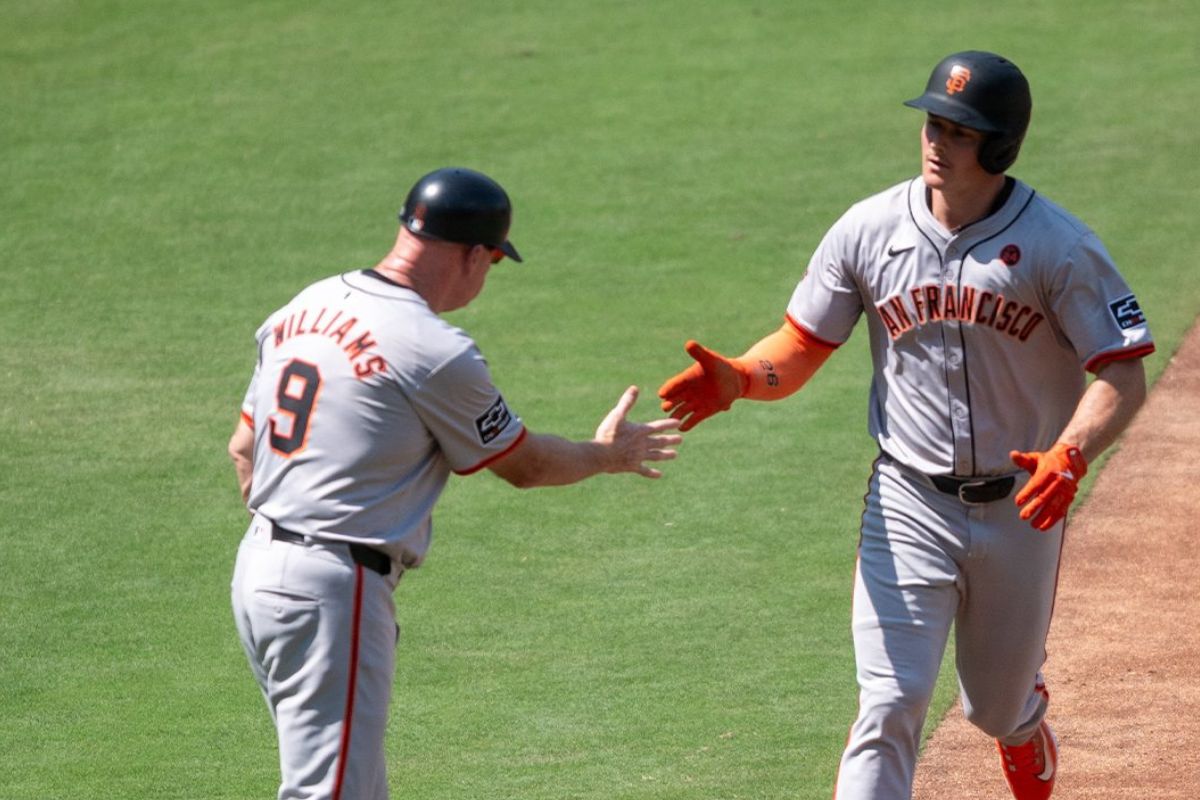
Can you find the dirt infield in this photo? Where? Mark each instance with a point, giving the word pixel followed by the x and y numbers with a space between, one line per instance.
pixel 1124 648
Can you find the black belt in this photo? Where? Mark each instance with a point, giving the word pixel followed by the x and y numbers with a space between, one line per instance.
pixel 368 557
pixel 974 491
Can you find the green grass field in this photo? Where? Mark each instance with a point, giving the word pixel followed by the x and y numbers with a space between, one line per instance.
pixel 172 172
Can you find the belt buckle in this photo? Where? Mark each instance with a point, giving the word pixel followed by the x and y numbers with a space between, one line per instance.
pixel 967 485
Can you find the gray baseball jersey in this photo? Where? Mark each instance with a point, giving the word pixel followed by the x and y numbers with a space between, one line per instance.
pixel 980 336
pixel 363 401
pixel 980 340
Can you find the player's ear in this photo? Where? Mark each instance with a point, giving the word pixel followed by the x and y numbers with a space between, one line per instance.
pixel 478 256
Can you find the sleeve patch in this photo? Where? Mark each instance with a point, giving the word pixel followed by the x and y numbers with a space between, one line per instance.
pixel 1127 312
pixel 493 421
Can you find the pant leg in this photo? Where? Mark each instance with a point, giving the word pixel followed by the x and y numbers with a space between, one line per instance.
pixel 320 634
pixel 1010 581
pixel 241 614
pixel 905 598
pixel 376 674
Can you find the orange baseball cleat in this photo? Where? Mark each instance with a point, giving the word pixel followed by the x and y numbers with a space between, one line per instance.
pixel 1029 768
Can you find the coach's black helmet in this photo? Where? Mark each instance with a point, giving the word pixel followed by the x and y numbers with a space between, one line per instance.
pixel 986 92
pixel 460 205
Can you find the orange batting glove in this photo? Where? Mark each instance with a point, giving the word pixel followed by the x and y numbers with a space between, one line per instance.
pixel 1056 475
pixel 706 387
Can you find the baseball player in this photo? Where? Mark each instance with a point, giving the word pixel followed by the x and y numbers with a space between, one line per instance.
pixel 986 305
pixel 362 402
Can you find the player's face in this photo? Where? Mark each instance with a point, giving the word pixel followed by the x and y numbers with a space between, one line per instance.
pixel 950 154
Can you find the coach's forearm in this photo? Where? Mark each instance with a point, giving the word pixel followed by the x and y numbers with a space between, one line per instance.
pixel 245 472
pixel 548 460
pixel 241 450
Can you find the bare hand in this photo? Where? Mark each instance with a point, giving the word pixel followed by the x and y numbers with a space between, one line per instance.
pixel 630 444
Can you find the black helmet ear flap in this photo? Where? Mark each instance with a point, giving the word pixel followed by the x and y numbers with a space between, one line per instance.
pixel 998 152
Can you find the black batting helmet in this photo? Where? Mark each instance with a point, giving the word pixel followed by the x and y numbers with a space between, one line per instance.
pixel 455 204
pixel 986 92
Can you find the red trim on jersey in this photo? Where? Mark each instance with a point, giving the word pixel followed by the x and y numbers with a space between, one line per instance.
pixel 1140 351
pixel 249 420
pixel 495 458
pixel 805 333
pixel 348 717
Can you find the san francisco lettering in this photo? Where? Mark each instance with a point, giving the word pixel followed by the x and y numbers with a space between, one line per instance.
pixel 936 302
pixel 344 331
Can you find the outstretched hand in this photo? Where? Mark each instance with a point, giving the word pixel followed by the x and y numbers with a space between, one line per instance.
pixel 706 387
pixel 631 444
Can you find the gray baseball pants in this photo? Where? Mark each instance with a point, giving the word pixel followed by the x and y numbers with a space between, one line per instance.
pixel 320 634
pixel 926 561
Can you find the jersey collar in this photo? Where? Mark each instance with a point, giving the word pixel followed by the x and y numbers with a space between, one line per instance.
pixel 1009 204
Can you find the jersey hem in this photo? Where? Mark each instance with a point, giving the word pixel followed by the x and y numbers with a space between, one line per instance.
pixel 494 458
pixel 807 334
pixel 1141 351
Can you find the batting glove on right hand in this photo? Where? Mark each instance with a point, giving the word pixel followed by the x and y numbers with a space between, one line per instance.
pixel 1049 493
pixel 706 387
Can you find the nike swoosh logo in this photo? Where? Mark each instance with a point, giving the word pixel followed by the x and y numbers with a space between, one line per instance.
pixel 1050 753
pixel 895 250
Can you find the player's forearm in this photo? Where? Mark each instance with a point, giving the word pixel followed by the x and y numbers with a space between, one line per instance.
pixel 780 363
pixel 1107 407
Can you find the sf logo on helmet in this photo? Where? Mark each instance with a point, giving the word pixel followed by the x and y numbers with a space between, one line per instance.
pixel 959 76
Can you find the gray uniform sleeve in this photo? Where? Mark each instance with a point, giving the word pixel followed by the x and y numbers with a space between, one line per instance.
pixel 466 413
pixel 1095 307
pixel 260 338
pixel 248 400
pixel 827 301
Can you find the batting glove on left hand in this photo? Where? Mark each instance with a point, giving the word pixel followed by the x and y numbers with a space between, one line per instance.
pixel 1049 493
